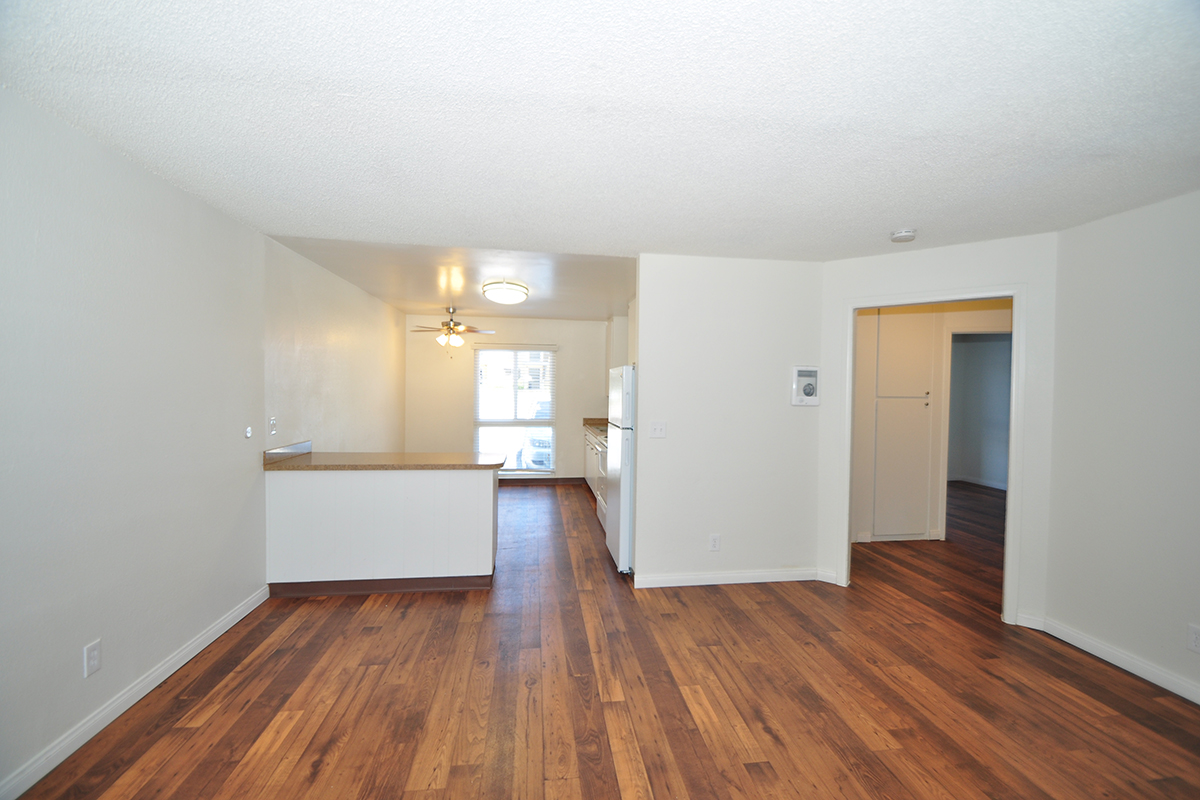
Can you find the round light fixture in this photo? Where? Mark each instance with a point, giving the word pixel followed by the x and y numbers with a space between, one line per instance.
pixel 904 235
pixel 505 292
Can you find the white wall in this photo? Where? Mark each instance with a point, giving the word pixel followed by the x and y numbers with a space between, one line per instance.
pixel 617 349
pixel 131 320
pixel 131 347
pixel 1126 543
pixel 1023 267
pixel 980 384
pixel 633 331
pixel 334 360
pixel 738 459
pixel 440 385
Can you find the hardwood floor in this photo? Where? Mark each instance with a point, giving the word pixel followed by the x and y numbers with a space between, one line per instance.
pixel 563 682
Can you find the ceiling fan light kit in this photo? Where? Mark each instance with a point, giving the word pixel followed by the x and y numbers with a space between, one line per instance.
pixel 450 332
pixel 505 292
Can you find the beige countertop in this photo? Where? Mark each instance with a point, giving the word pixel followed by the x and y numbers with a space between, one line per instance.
pixel 597 425
pixel 368 461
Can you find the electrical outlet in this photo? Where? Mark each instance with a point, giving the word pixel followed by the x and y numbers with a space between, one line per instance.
pixel 1194 638
pixel 273 429
pixel 91 658
pixel 714 542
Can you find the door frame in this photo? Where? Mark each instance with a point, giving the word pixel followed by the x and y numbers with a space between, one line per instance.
pixel 943 464
pixel 1016 421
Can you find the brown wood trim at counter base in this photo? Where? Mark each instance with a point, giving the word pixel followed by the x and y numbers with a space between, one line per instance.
pixel 542 481
pixel 466 583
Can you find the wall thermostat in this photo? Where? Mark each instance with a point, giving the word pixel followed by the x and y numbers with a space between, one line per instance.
pixel 805 388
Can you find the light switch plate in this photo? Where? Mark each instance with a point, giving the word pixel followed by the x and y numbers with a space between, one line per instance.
pixel 658 430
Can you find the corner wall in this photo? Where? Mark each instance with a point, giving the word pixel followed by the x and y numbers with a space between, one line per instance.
pixel 131 320
pixel 717 340
pixel 1126 541
pixel 334 360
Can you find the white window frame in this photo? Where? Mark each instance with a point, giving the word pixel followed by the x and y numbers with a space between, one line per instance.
pixel 550 422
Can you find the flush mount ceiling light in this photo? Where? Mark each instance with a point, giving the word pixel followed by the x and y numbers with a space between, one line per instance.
pixel 904 235
pixel 505 292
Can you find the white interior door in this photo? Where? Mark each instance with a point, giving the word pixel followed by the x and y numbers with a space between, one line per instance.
pixel 905 352
pixel 902 460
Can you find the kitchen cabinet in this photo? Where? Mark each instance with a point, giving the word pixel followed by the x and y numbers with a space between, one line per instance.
pixel 589 464
pixel 595 467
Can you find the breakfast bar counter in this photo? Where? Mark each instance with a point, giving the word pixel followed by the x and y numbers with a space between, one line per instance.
pixel 368 461
pixel 362 523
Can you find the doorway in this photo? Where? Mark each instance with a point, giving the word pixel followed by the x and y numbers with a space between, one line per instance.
pixel 980 393
pixel 931 404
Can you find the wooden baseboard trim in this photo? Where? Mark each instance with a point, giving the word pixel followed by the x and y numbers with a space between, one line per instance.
pixel 380 586
pixel 542 481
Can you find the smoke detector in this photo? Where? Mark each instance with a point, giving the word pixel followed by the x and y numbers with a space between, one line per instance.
pixel 904 235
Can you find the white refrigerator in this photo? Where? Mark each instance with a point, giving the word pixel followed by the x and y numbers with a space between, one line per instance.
pixel 618 520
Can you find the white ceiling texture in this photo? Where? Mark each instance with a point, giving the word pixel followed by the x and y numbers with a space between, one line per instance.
pixel 510 132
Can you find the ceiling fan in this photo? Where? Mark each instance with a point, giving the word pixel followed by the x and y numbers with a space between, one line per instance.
pixel 450 332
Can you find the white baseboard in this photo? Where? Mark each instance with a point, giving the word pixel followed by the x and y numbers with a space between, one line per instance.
pixel 643 581
pixel 935 534
pixel 828 576
pixel 1185 688
pixel 902 537
pixel 1030 621
pixel 57 751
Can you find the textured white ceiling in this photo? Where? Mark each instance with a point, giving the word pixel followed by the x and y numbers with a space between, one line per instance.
pixel 800 129
pixel 426 280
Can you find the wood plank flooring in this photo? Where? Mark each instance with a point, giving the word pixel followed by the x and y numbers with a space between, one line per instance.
pixel 564 682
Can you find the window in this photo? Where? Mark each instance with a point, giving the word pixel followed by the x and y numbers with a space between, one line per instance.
pixel 514 407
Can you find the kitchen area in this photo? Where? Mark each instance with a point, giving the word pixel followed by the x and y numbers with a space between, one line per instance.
pixel 386 386
pixel 609 465
pixel 595 465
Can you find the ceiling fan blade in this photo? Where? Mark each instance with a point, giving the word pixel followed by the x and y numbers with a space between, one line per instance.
pixel 473 329
pixel 425 329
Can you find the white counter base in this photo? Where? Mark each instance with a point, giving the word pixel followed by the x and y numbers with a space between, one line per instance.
pixel 338 525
